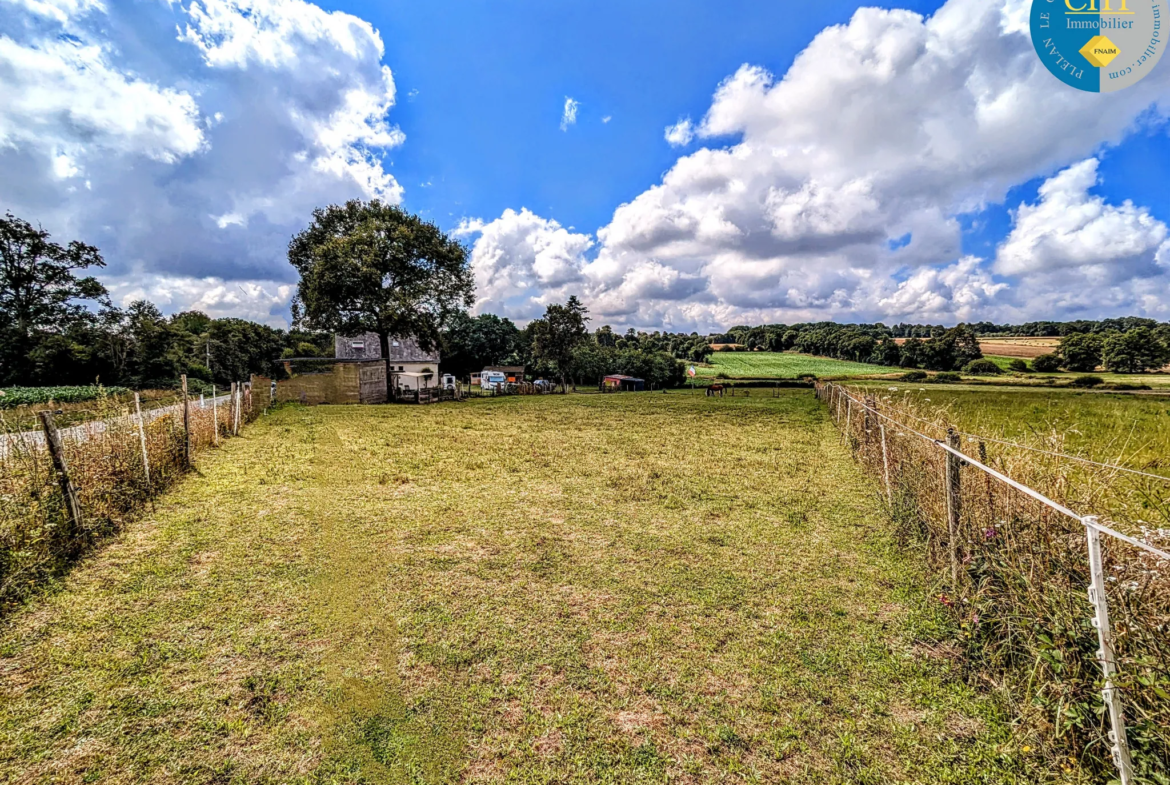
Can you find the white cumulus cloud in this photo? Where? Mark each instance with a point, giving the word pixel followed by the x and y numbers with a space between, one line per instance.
pixel 522 262
pixel 836 190
pixel 190 141
pixel 1074 251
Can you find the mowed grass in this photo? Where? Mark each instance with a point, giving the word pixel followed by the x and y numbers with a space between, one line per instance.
pixel 783 365
pixel 626 588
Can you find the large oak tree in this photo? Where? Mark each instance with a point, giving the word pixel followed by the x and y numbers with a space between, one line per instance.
pixel 373 267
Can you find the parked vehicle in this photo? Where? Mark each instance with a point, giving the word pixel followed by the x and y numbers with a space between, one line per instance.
pixel 448 382
pixel 493 380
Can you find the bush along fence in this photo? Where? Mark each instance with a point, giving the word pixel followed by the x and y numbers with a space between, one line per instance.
pixel 63 489
pixel 1070 614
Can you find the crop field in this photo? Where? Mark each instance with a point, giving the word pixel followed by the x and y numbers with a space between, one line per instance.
pixel 12 397
pixel 615 589
pixel 1024 348
pixel 783 365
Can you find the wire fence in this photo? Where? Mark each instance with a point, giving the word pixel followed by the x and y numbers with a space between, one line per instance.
pixel 1066 608
pixel 63 489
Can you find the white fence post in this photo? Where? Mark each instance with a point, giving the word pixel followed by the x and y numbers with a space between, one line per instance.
pixel 1097 597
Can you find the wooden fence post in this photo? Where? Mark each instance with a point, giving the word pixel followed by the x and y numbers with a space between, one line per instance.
pixel 214 417
pixel 57 455
pixel 886 464
pixel 142 442
pixel 987 480
pixel 846 431
pixel 954 487
pixel 868 418
pixel 186 425
pixel 232 412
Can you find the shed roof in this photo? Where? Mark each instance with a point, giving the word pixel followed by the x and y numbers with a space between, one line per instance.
pixel 623 377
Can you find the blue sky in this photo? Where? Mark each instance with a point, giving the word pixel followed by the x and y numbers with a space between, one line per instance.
pixel 492 78
pixel 903 162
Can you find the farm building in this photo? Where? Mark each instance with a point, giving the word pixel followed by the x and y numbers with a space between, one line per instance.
pixel 405 354
pixel 620 383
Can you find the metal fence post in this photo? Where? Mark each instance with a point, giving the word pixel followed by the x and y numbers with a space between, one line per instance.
pixel 886 464
pixel 954 488
pixel 142 442
pixel 1097 596
pixel 57 455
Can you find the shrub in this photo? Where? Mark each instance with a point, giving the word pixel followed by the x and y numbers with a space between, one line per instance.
pixel 948 376
pixel 722 375
pixel 1046 363
pixel 812 377
pixel 1127 386
pixel 982 368
pixel 914 376
pixel 1018 366
pixel 1087 381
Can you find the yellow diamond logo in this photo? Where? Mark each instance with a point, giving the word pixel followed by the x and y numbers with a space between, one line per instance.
pixel 1100 51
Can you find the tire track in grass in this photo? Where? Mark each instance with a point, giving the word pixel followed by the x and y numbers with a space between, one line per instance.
pixel 371 729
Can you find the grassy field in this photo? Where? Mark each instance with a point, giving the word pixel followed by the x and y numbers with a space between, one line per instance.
pixel 1154 380
pixel 783 365
pixel 1133 430
pixel 627 588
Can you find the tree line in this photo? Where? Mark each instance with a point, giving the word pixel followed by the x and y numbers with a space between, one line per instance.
pixel 367 267
pixel 58 326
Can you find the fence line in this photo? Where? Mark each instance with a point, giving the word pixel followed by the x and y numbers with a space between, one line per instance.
pixel 833 395
pixel 61 490
pixel 1017 445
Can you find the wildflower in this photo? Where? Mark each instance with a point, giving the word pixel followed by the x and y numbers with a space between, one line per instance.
pixel 975 618
pixel 1025 749
pixel 945 600
pixel 990 532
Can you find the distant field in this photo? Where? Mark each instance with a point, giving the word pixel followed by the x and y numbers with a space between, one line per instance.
pixel 1025 348
pixel 786 365
pixel 1154 380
